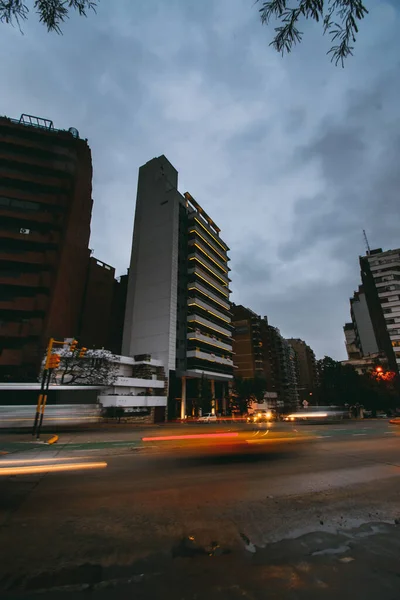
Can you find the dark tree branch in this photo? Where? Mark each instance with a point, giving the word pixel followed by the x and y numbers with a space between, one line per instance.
pixel 339 18
pixel 52 13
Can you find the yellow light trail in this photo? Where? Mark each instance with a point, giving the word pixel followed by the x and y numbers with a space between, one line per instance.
pixel 23 461
pixel 36 469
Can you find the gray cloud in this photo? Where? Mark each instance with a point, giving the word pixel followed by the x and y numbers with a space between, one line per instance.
pixel 291 157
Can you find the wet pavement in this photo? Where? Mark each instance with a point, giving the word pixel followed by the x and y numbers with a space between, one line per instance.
pixel 321 520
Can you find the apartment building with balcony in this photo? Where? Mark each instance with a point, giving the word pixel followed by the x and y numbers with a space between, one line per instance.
pixel 380 273
pixel 306 367
pixel 178 307
pixel 248 347
pixel 259 350
pixel 45 212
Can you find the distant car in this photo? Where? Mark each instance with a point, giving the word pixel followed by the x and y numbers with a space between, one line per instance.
pixel 316 414
pixel 381 415
pixel 207 418
pixel 260 416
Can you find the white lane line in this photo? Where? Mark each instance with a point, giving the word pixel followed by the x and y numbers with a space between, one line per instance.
pixel 390 433
pixel 359 434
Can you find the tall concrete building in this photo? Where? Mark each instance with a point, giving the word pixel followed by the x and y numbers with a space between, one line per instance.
pixel 306 368
pixel 248 345
pixel 259 350
pixel 284 358
pixel 374 332
pixel 45 213
pixel 178 308
pixel 380 273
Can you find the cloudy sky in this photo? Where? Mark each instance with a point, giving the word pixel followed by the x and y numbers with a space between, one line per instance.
pixel 291 156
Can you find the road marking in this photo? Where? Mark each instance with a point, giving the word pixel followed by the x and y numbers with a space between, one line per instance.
pixel 359 434
pixel 390 432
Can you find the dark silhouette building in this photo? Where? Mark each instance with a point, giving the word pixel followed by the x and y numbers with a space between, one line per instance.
pixel 117 317
pixel 259 350
pixel 306 368
pixel 45 213
pixel 96 315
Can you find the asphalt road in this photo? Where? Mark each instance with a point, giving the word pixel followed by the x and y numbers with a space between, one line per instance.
pixel 310 519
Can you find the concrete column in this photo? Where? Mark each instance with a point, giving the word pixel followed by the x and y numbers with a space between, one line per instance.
pixel 183 399
pixel 230 390
pixel 213 396
pixel 223 399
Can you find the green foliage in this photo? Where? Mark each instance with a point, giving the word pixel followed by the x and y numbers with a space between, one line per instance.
pixel 338 17
pixel 51 13
pixel 246 391
pixel 341 384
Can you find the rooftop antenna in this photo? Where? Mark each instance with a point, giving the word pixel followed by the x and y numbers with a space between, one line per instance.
pixel 366 243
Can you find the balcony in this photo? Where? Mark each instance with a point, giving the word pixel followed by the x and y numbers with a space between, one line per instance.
pixel 22 174
pixel 209 324
pixel 196 286
pixel 208 339
pixel 194 303
pixel 209 357
pixel 25 234
pixel 207 278
pixel 44 159
pixel 35 303
pixel 38 279
pixel 198 221
pixel 139 382
pixel 53 218
pixel 202 249
pixel 200 234
pixel 128 401
pixel 198 259
pixel 41 258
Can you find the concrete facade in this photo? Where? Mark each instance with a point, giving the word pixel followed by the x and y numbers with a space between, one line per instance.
pixel 364 329
pixel 177 307
pixel 150 316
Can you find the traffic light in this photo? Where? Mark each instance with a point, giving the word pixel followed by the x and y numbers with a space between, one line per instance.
pixel 82 352
pixel 73 345
pixel 54 361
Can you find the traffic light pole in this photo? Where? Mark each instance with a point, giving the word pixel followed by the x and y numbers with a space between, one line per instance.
pixel 43 405
pixel 41 396
pixel 40 400
pixel 52 362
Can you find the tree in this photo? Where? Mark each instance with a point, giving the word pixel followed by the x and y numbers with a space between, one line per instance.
pixel 341 384
pixel 97 367
pixel 246 391
pixel 52 13
pixel 339 19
